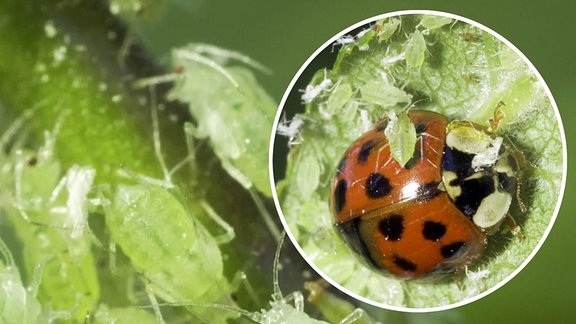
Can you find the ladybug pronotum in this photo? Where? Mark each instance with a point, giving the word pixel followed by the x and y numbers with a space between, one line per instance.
pixel 432 215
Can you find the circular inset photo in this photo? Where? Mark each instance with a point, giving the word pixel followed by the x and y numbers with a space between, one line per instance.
pixel 418 160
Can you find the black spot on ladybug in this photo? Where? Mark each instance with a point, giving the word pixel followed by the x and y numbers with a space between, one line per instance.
pixel 365 151
pixel 457 162
pixel 473 192
pixel 455 182
pixel 341 165
pixel 404 264
pixel 392 227
pixel 501 150
pixel 415 158
pixel 506 183
pixel 427 191
pixel 421 128
pixel 377 186
pixel 340 196
pixel 382 125
pixel 451 249
pixel 433 231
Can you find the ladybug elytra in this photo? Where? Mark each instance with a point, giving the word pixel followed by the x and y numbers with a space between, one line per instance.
pixel 432 215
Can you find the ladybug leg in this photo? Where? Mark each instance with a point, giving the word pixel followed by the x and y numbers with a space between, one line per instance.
pixel 521 161
pixel 519 200
pixel 458 279
pixel 316 288
pixel 498 116
pixel 513 227
pixel 511 223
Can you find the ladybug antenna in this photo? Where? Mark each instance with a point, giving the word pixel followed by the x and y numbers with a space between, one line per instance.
pixel 513 227
pixel 498 116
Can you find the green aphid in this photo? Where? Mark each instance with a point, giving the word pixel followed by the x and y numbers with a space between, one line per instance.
pixel 158 228
pixel 415 50
pixel 18 304
pixel 177 256
pixel 432 22
pixel 387 28
pixel 401 134
pixel 231 110
pixel 48 213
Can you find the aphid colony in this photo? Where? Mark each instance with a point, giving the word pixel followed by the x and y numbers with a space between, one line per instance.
pixel 170 253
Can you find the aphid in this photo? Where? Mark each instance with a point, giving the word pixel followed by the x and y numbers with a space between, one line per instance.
pixel 415 49
pixel 387 28
pixel 431 22
pixel 383 92
pixel 290 129
pixel 227 101
pixel 49 217
pixel 313 91
pixel 339 97
pixel 157 228
pixel 361 40
pixel 344 40
pixel 364 37
pixel 17 303
pixel 160 235
pixel 401 135
pixel 432 215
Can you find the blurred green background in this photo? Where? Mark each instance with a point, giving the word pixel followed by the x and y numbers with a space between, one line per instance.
pixel 282 35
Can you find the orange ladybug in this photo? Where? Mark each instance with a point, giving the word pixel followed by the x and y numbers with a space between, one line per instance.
pixel 432 215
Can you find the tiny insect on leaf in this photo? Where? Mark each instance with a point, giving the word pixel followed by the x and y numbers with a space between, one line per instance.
pixel 401 135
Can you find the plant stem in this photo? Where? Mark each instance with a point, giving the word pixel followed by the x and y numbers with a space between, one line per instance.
pixel 61 58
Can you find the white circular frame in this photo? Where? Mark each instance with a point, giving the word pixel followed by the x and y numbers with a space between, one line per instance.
pixel 273 182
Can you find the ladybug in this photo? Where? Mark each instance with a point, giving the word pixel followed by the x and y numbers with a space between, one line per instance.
pixel 432 215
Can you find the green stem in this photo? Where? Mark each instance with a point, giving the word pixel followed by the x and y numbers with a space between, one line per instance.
pixel 62 59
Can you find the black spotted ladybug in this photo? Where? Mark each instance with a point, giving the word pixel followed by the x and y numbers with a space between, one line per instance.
pixel 433 214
